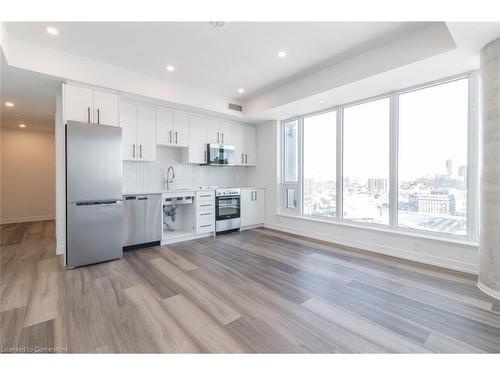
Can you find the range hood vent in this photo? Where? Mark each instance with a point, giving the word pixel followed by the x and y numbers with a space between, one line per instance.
pixel 235 107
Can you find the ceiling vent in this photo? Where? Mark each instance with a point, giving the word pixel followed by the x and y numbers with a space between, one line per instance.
pixel 235 107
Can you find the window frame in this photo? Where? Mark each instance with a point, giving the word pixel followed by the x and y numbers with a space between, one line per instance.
pixel 472 216
pixel 283 143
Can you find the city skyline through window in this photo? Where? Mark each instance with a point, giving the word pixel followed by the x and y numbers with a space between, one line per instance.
pixel 366 162
pixel 432 178
pixel 320 164
pixel 431 150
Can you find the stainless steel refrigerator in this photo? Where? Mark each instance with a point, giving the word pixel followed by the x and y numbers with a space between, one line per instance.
pixel 94 210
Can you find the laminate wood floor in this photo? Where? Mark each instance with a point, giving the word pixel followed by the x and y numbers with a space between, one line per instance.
pixel 258 291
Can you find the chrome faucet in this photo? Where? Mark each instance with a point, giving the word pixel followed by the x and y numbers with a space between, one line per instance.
pixel 170 176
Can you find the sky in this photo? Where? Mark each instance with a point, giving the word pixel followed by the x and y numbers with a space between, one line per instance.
pixel 432 129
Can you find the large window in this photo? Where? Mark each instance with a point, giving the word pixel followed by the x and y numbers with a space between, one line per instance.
pixel 366 162
pixel 320 170
pixel 432 176
pixel 406 161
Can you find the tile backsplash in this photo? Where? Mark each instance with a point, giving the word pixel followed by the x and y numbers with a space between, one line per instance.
pixel 144 176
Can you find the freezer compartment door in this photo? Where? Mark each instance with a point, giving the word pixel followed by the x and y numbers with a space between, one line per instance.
pixel 93 162
pixel 94 233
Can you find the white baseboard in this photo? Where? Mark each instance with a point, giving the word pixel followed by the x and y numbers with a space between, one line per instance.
pixel 27 219
pixel 486 289
pixel 381 249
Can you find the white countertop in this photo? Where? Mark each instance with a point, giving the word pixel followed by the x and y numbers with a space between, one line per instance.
pixel 145 192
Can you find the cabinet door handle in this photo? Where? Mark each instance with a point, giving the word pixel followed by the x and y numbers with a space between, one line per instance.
pixel 217 137
pixel 133 150
pixel 175 137
pixel 98 118
pixel 205 226
pixel 222 137
pixel 206 214
pixel 140 151
pixel 255 194
pixel 205 155
pixel 88 113
pixel 246 158
pixel 251 193
pixel 242 160
pixel 170 139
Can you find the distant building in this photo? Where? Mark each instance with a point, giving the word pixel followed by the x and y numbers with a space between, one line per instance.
pixel 377 184
pixel 449 167
pixel 462 172
pixel 413 203
pixel 436 202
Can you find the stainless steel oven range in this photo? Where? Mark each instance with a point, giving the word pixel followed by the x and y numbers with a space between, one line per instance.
pixel 227 210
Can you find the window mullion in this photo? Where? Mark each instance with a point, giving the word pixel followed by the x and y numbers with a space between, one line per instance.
pixel 339 160
pixel 393 160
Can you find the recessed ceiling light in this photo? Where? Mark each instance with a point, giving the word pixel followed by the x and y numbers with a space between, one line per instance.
pixel 241 91
pixel 22 125
pixel 281 54
pixel 218 24
pixel 321 100
pixel 170 68
pixel 9 104
pixel 52 30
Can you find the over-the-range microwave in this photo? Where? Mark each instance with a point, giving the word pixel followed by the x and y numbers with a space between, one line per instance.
pixel 219 154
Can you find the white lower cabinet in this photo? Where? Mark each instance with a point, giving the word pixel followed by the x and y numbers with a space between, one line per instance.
pixel 252 207
pixel 205 211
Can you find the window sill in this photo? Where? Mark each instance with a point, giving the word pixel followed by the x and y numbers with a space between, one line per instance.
pixel 472 245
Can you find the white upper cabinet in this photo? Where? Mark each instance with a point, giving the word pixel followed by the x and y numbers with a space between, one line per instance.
pixel 249 145
pixel 198 139
pixel 106 108
pixel 128 123
pixel 213 130
pixel 164 122
pixel 180 130
pixel 243 139
pixel 146 133
pixel 218 131
pixel 78 103
pixel 225 131
pixel 237 135
pixel 172 128
pixel 88 105
pixel 138 124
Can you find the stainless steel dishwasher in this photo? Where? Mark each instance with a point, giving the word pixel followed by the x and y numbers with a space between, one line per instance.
pixel 142 221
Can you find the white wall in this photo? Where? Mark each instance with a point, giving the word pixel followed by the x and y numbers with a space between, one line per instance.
pixel 28 175
pixel 455 256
